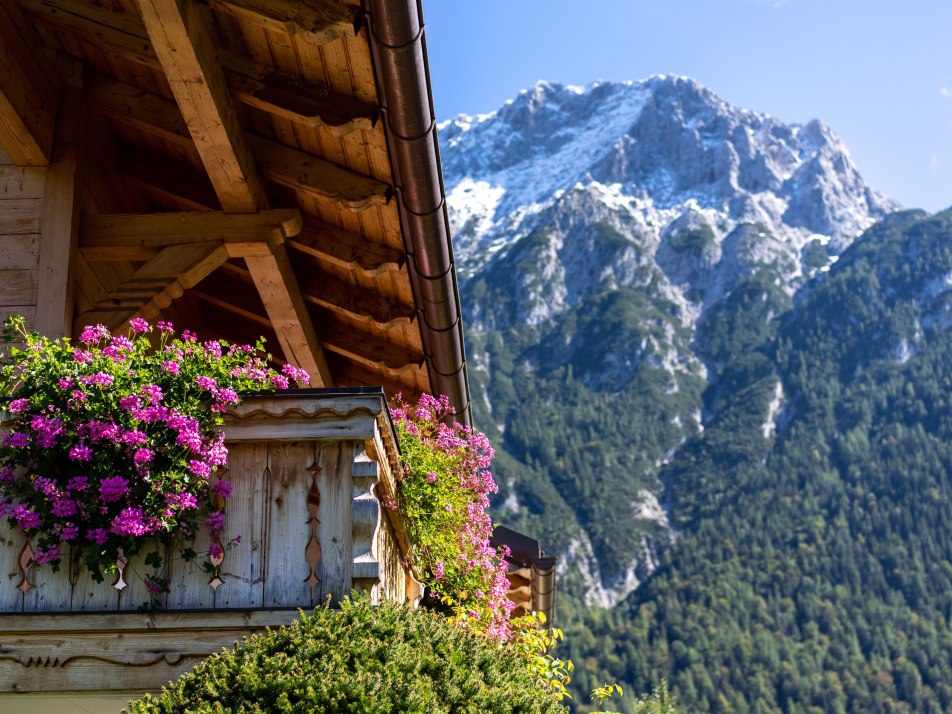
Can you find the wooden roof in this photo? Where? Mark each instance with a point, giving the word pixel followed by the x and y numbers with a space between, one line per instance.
pixel 234 168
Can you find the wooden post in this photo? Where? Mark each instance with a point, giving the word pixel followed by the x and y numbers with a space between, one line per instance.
pixel 59 227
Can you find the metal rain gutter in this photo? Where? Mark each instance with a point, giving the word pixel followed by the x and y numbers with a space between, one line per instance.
pixel 398 49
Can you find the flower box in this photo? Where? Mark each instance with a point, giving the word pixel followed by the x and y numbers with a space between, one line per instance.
pixel 309 470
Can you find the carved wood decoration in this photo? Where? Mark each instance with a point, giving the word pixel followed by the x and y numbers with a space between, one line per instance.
pixel 128 651
pixel 25 562
pixel 217 558
pixel 312 551
pixel 121 563
pixel 365 511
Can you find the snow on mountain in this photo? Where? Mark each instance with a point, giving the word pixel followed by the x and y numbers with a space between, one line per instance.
pixel 658 147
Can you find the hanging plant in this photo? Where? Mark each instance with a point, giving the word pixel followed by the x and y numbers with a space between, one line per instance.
pixel 444 499
pixel 111 442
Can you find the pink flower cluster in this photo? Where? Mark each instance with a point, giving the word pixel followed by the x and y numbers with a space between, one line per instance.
pixel 447 477
pixel 114 439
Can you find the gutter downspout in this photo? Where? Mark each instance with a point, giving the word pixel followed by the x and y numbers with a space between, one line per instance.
pixel 398 51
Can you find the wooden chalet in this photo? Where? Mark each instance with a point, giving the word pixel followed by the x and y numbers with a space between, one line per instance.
pixel 239 168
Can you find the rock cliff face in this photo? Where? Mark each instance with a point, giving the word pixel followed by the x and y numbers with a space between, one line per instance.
pixel 617 244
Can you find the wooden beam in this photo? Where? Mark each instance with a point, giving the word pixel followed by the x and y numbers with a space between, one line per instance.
pixel 304 103
pixel 60 223
pixel 188 57
pixel 345 249
pixel 323 21
pixel 277 285
pixel 295 169
pixel 29 91
pixel 253 84
pixel 186 52
pixel 322 289
pixel 374 352
pixel 282 164
pixel 132 236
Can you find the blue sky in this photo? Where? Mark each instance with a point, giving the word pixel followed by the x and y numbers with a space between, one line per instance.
pixel 878 71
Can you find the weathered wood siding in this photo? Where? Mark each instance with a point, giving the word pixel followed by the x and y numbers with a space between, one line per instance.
pixel 21 212
pixel 310 527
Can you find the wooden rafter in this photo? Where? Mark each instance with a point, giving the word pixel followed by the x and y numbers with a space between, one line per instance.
pixel 323 289
pixel 345 249
pixel 175 183
pixel 141 236
pixel 340 297
pixel 184 46
pixel 186 52
pixel 323 21
pixel 28 91
pixel 282 164
pixel 373 352
pixel 358 375
pixel 295 169
pixel 255 85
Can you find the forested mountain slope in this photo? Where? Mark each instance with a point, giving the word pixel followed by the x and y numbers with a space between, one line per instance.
pixel 813 568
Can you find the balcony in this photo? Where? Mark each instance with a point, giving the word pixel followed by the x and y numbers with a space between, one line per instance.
pixel 310 469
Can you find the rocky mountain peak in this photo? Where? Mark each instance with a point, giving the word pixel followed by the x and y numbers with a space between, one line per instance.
pixel 666 141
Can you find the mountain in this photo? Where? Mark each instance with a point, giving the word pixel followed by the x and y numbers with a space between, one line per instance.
pixel 607 239
pixel 716 365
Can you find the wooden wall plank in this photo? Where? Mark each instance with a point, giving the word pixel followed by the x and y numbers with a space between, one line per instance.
pixel 334 532
pixel 22 182
pixel 19 252
pixel 21 216
pixel 244 568
pixel 287 524
pixel 17 287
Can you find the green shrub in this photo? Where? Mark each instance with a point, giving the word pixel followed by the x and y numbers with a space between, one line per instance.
pixel 359 659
